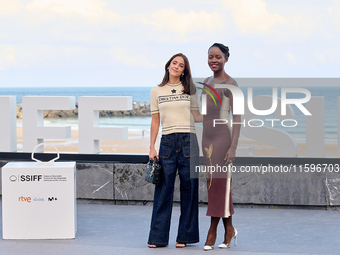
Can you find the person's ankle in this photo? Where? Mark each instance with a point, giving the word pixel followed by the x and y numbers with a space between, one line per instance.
pixel 211 239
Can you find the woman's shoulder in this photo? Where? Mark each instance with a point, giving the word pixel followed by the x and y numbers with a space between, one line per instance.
pixel 154 91
pixel 231 81
pixel 155 88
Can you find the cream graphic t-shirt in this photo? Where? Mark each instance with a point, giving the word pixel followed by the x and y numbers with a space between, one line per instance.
pixel 174 108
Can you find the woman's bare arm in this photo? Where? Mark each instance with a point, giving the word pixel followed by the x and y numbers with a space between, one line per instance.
pixel 155 121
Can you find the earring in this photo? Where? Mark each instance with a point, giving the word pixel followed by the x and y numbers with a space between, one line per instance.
pixel 182 74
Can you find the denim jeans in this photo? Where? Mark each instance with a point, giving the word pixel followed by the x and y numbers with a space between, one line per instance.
pixel 176 151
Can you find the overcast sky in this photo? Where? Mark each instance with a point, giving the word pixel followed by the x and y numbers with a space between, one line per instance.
pixel 126 43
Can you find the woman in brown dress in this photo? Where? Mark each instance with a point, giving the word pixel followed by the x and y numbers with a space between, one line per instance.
pixel 219 148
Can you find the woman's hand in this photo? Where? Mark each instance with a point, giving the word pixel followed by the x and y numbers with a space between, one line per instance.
pixel 153 154
pixel 230 156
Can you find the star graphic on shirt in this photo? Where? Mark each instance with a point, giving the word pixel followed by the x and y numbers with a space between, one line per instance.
pixel 173 91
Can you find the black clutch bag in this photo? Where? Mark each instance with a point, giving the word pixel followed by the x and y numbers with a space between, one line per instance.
pixel 154 172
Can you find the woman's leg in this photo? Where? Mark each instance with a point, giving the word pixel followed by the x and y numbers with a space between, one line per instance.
pixel 162 204
pixel 188 221
pixel 212 233
pixel 187 159
pixel 228 228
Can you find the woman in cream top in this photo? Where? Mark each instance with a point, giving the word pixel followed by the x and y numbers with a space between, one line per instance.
pixel 174 105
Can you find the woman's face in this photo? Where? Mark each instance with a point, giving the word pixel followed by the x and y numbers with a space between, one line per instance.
pixel 176 67
pixel 216 59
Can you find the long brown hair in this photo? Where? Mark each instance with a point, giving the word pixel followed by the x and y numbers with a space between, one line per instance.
pixel 186 79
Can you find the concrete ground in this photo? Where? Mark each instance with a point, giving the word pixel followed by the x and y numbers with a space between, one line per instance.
pixel 123 229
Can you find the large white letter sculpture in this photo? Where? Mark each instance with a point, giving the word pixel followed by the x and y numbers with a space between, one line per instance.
pixel 8 126
pixel 281 140
pixel 297 101
pixel 34 131
pixel 315 138
pixel 88 117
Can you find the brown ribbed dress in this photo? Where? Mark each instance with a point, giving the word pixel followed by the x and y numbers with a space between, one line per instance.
pixel 216 142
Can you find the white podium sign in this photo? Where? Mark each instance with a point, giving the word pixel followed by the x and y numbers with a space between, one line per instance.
pixel 39 201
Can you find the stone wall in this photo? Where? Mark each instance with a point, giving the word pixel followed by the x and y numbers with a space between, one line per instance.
pixel 116 182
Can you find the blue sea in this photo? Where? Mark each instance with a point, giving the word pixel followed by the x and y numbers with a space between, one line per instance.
pixel 137 125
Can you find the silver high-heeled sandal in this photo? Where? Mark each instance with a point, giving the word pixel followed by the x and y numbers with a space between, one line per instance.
pixel 208 247
pixel 225 246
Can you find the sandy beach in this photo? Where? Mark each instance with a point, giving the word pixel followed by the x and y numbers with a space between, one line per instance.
pixel 139 144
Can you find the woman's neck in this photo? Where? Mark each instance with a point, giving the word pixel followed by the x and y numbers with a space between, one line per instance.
pixel 174 80
pixel 220 74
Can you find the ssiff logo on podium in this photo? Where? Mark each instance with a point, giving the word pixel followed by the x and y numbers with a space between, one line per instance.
pixel 38 202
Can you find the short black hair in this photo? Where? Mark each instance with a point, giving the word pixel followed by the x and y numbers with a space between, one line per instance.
pixel 222 47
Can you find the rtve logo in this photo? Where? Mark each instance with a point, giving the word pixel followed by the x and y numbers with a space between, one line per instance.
pixel 25 199
pixel 29 199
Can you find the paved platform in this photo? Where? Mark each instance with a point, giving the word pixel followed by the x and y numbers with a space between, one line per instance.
pixel 123 229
